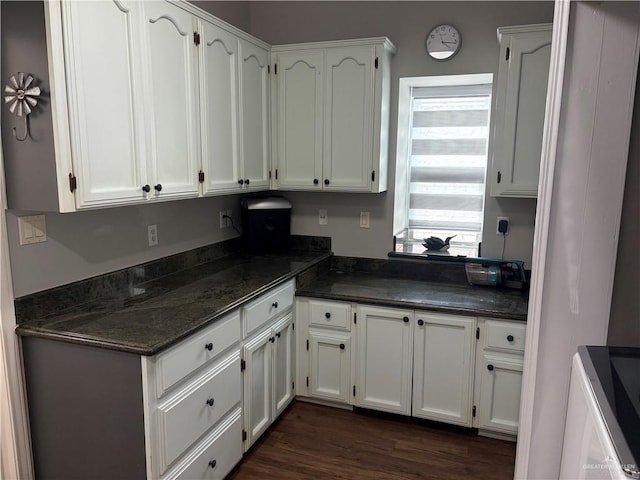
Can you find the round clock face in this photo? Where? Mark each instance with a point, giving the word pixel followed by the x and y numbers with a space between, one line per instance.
pixel 443 42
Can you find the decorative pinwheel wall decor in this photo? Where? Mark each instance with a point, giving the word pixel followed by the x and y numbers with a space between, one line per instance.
pixel 21 96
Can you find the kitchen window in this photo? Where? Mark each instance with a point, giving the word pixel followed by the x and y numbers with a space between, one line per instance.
pixel 443 138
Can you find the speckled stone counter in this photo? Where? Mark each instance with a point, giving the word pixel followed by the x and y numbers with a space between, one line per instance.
pixel 149 317
pixel 449 297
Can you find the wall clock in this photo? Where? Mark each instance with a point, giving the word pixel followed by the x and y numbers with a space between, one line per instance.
pixel 443 42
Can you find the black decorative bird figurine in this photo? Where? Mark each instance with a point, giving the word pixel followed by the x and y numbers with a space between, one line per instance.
pixel 435 243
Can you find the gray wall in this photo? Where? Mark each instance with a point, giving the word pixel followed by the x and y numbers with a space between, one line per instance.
pixel 406 24
pixel 234 12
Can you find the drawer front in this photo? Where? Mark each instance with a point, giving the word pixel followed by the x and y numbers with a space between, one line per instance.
pixel 183 418
pixel 198 350
pixel 267 307
pixel 216 456
pixel 330 314
pixel 508 336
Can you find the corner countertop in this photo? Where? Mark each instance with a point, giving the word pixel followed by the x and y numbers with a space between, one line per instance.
pixel 404 293
pixel 152 316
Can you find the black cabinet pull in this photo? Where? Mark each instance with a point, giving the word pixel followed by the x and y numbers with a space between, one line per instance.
pixel 326 181
pixel 342 346
pixel 278 334
pixel 213 463
pixel 240 181
pixel 327 315
pixel 157 187
pixel 509 338
pixel 246 181
pixel 315 181
pixel 274 304
pixel 209 346
pixel 146 188
pixel 405 319
pixel 210 402
pixel 272 339
pixel 420 322
pixel 490 367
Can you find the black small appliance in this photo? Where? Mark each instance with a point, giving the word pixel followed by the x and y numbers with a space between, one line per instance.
pixel 266 224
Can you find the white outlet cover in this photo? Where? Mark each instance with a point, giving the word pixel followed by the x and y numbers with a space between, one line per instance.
pixel 229 218
pixel 322 217
pixel 152 232
pixel 223 220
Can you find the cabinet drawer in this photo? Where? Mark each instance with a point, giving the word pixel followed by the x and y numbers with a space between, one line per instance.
pixel 505 335
pixel 330 314
pixel 216 455
pixel 184 417
pixel 260 311
pixel 198 350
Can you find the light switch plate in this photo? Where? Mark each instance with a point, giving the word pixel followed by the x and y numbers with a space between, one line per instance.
pixel 364 219
pixel 32 229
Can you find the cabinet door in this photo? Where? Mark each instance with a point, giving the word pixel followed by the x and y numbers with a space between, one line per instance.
pixel 299 120
pixel 257 386
pixel 218 53
pixel 106 109
pixel 442 380
pixel 348 121
pixel 520 107
pixel 254 108
pixel 283 367
pixel 501 381
pixel 173 100
pixel 330 365
pixel 383 366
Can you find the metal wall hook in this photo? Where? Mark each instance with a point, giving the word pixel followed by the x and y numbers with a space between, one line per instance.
pixel 21 95
pixel 26 130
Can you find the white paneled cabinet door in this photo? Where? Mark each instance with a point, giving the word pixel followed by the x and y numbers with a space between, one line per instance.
pixel 172 87
pixel 254 107
pixel 283 365
pixel 348 122
pixel 218 53
pixel 299 120
pixel 257 386
pixel 499 406
pixel 330 365
pixel 103 44
pixel 383 362
pixel 442 365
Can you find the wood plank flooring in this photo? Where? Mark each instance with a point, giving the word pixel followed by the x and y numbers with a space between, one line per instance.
pixel 316 442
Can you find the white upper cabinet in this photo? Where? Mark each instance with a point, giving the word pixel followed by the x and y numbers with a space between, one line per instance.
pixel 520 107
pixel 219 109
pixel 102 44
pixel 172 89
pixel 331 115
pixel 255 116
pixel 299 119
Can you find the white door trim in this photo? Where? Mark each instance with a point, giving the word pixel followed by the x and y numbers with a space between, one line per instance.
pixel 541 233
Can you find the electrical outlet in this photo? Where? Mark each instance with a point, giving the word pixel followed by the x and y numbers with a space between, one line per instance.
pixel 229 218
pixel 223 220
pixel 498 232
pixel 323 219
pixel 152 231
pixel 364 219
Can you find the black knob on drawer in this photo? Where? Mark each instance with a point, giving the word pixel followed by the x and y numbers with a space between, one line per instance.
pixel 246 182
pixel 209 346
pixel 240 181
pixel 315 181
pixel 272 339
pixel 213 463
pixel 326 181
pixel 327 315
pixel 157 187
pixel 490 367
pixel 405 319
pixel 274 304
pixel 420 322
pixel 146 188
pixel 278 334
pixel 210 402
pixel 342 346
pixel 509 338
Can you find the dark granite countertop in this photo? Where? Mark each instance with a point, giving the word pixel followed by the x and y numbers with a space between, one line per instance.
pixel 152 316
pixel 446 297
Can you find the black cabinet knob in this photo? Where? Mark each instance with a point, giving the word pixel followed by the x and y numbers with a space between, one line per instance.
pixel 274 304
pixel 240 182
pixel 509 338
pixel 210 402
pixel 157 187
pixel 327 315
pixel 315 181
pixel 278 334
pixel 405 319
pixel 272 339
pixel 342 346
pixel 421 322
pixel 209 346
pixel 146 188
pixel 326 181
pixel 213 463
pixel 490 367
pixel 246 182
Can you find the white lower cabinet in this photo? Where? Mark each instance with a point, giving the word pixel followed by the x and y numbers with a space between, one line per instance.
pixel 330 365
pixel 443 347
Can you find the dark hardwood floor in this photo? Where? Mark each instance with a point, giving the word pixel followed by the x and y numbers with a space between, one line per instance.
pixel 315 442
